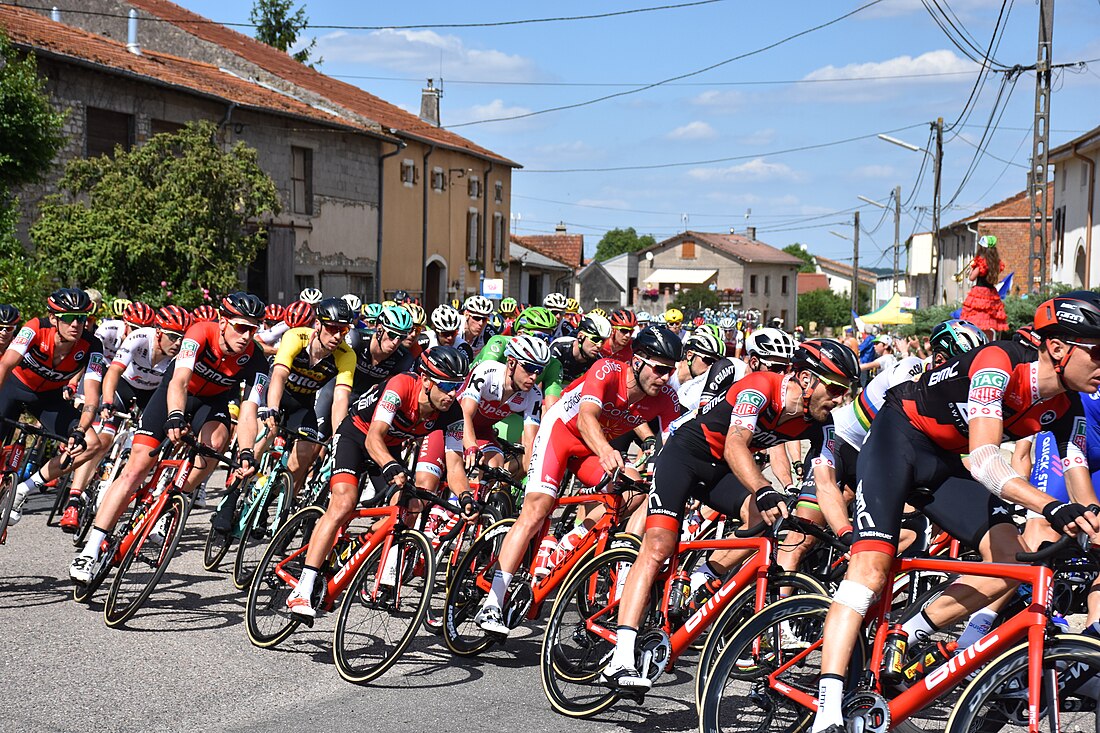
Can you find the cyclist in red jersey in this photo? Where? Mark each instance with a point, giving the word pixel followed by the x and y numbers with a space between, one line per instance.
pixel 194 395
pixel 45 356
pixel 9 321
pixel 370 439
pixel 612 399
pixel 969 404
pixel 623 323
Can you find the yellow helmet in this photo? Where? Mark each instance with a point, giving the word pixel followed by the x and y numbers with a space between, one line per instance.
pixel 389 304
pixel 598 312
pixel 673 315
pixel 119 306
pixel 417 313
pixel 572 306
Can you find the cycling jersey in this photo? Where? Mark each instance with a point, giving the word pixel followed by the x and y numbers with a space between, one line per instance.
pixel 550 381
pixel 306 376
pixel 475 343
pixel 111 334
pixel 214 372
pixel 485 386
pixel 135 358
pixel 624 354
pixel 1090 403
pixel 572 368
pixel 398 405
pixel 36 371
pixel 271 336
pixel 720 377
pixel 369 374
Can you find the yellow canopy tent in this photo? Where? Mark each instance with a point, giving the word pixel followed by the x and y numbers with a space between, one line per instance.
pixel 889 313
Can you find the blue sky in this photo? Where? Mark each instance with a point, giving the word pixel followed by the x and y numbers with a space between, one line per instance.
pixel 746 111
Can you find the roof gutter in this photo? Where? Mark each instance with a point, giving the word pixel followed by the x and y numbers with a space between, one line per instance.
pixel 424 230
pixel 485 224
pixel 401 145
pixel 1088 213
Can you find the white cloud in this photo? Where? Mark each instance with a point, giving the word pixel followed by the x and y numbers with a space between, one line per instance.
pixel 760 137
pixel 422 52
pixel 932 62
pixel 757 169
pixel 719 101
pixel 491 111
pixel 874 171
pixel 697 130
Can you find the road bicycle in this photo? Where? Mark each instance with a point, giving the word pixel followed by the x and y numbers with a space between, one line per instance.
pixel 31 441
pixel 110 466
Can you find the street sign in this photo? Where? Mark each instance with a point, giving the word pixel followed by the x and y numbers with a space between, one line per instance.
pixel 493 288
pixel 908 303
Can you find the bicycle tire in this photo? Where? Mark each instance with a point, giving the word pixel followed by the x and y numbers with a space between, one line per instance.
pixel 984 707
pixel 7 499
pixel 572 658
pixel 60 500
pixel 215 548
pixel 254 537
pixel 446 564
pixel 123 601
pixel 464 596
pixel 267 619
pixel 501 501
pixel 362 654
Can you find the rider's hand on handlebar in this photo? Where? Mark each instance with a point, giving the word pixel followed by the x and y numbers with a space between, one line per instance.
pixel 176 425
pixel 248 464
pixel 1071 519
pixel 772 504
pixel 469 456
pixel 611 460
pixel 76 444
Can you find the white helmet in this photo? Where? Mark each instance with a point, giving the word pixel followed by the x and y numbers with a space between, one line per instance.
pixel 703 341
pixel 596 325
pixel 644 317
pixel 479 305
pixel 528 349
pixel 555 301
pixel 770 344
pixel 313 296
pixel 446 318
pixel 727 324
pixel 353 301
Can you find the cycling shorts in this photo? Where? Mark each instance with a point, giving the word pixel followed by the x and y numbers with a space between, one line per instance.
pixel 430 458
pixel 125 397
pixel 556 450
pixel 350 458
pixel 298 416
pixel 900 464
pixel 844 462
pixel 200 410
pixel 53 411
pixel 681 475
pixel 485 437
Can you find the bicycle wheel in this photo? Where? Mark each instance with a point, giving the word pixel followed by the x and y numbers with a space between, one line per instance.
pixel 740 609
pixel 215 548
pixel 464 595
pixel 59 500
pixel 573 655
pixel 997 698
pixel 7 500
pixel 447 556
pixel 501 502
pixel 263 521
pixel 383 608
pixel 146 561
pixel 739 694
pixel 267 619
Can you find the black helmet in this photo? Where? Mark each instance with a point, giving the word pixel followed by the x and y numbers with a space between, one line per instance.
pixel 658 342
pixel 1075 315
pixel 445 364
pixel 69 300
pixel 243 305
pixel 956 336
pixel 826 358
pixel 9 315
pixel 334 310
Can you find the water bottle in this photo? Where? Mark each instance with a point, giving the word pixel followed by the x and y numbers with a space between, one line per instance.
pixel 893 653
pixel 679 593
pixel 568 543
pixel 931 659
pixel 542 559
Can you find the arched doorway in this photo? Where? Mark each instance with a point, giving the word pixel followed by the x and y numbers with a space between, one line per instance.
pixel 1079 267
pixel 435 282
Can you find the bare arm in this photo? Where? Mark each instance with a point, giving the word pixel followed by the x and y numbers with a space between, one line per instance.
pixel 340 400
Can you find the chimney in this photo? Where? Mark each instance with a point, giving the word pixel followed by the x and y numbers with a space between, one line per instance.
pixel 429 104
pixel 751 233
pixel 55 14
pixel 132 44
pixel 560 228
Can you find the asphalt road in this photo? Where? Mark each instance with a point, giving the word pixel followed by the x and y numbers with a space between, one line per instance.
pixel 184 663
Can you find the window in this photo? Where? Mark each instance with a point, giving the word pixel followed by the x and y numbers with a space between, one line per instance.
pixel 473 232
pixel 767 285
pixel 301 282
pixel 498 238
pixel 408 173
pixel 498 192
pixel 785 288
pixel 752 284
pixel 439 180
pixel 687 251
pixel 783 315
pixel 105 129
pixel 301 181
pixel 475 188
pixel 158 127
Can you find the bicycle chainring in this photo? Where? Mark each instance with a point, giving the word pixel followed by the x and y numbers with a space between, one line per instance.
pixel 654 646
pixel 866 712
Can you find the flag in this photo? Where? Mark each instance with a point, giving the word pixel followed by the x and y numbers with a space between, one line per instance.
pixel 1005 287
pixel 860 325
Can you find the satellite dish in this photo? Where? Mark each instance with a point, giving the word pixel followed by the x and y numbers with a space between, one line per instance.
pixel 748 213
pixel 649 256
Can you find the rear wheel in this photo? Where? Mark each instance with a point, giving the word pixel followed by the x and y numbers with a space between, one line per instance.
pixel 60 500
pixel 447 558
pixel 264 519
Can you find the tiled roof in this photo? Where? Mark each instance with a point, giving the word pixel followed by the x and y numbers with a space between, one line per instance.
pixel 741 247
pixel 30 30
pixel 285 67
pixel 844 270
pixel 1013 207
pixel 533 258
pixel 565 248
pixel 811 281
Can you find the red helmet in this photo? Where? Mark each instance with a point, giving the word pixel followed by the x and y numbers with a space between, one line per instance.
pixel 138 315
pixel 274 312
pixel 623 318
pixel 173 318
pixel 205 313
pixel 298 314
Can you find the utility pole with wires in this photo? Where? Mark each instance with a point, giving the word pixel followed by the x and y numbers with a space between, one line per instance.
pixel 937 169
pixel 1037 174
pixel 855 268
pixel 897 233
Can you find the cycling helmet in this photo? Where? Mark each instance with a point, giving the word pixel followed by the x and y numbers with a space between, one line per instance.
pixel 173 318
pixel 727 324
pixel 674 315
pixel 388 303
pixel 204 312
pixel 401 296
pixel 273 312
pixel 456 303
pixel 396 319
pixel 479 305
pixel 446 318
pixel 508 306
pixel 1075 315
pixel 139 315
pixel 119 306
pixel 420 318
pixel 354 301
pixel 572 305
pixel 299 314
pixel 596 326
pixel 9 315
pixel 704 342
pixel 658 342
pixel 956 337
pixel 242 305
pixel 96 297
pixel 598 312
pixel 334 311
pixel 536 318
pixel 623 318
pixel 555 302
pixel 444 364
pixel 644 317
pixel 69 300
pixel 495 323
pixel 371 311
pixel 710 328
pixel 528 349
pixel 311 296
pixel 827 358
pixel 1026 335
pixel 770 344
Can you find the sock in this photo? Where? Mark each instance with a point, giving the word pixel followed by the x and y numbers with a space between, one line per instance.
pixel 979 625
pixel 919 627
pixel 95 539
pixel 624 648
pixel 305 583
pixel 700 576
pixel 620 580
pixel 1095 626
pixel 36 480
pixel 830 694
pixel 499 590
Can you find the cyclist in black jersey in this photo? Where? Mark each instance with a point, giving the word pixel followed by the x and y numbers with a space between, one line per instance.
pixel 578 353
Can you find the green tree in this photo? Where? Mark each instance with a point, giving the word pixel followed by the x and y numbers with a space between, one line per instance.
pixel 696 299
pixel 824 307
pixel 179 210
pixel 279 28
pixel 30 138
pixel 618 241
pixel 807 258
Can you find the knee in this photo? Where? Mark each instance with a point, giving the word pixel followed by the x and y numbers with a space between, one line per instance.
pixel 658 545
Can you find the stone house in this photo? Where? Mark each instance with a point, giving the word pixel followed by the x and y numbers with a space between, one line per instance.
pixel 1073 206
pixel 597 287
pixel 839 275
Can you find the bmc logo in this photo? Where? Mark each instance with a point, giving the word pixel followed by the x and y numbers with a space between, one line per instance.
pixel 959 661
pixel 947 372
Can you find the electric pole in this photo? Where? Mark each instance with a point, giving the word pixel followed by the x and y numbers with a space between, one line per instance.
pixel 937 163
pixel 897 232
pixel 1037 175
pixel 855 269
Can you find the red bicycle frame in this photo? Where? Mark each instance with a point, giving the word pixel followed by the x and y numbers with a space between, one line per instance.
pixel 151 509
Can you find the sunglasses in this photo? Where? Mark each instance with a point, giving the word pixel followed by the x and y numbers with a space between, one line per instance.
pixel 71 318
pixel 1092 349
pixel 708 360
pixel 774 366
pixel 172 336
pixel 661 370
pixel 7 329
pixel 392 336
pixel 448 387
pixel 479 319
pixel 835 389
pixel 624 329
pixel 446 334
pixel 243 327
pixel 592 338
pixel 336 328
pixel 533 369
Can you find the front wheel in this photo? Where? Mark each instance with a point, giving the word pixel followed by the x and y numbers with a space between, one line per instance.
pixel 7 500
pixel 263 520
pixel 267 619
pixel 468 588
pixel 383 607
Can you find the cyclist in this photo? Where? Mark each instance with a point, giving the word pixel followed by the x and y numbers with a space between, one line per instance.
pixel 205 314
pixel 380 355
pixel 578 353
pixel 111 332
pixel 370 439
pixel 476 310
pixel 509 309
pixel 556 303
pixel 416 340
pixel 710 459
pixel 44 357
pixel 298 314
pixel 9 321
pixel 371 312
pixel 612 399
pixel 194 395
pixel 623 326
pixel 134 375
pixel 535 321
pixel 354 301
pixel 701 352
pixel 446 322
pixel 674 319
pixel 967 405
pixel 313 296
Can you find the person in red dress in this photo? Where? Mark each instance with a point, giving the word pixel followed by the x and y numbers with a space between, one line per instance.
pixel 983 306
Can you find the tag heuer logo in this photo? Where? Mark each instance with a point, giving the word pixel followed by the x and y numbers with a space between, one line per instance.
pixel 749 402
pixel 990 378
